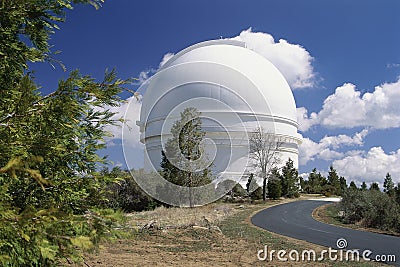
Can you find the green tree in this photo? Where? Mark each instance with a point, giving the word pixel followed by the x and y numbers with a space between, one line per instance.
pixel 238 191
pixel 397 193
pixel 316 182
pixel 343 184
pixel 48 143
pixel 304 185
pixel 333 181
pixel 257 194
pixel 124 193
pixel 388 185
pixel 353 185
pixel 274 185
pixel 374 186
pixel 290 180
pixel 264 153
pixel 363 186
pixel 180 163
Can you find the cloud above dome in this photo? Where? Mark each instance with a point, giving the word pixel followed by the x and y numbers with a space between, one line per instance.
pixel 293 60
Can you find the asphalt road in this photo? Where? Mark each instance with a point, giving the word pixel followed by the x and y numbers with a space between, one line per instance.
pixel 294 220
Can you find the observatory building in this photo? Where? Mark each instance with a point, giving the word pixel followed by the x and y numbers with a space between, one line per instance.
pixel 235 89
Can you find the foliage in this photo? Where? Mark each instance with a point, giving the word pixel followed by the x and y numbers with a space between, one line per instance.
pixel 396 195
pixel 124 193
pixel 352 185
pixel 388 185
pixel 371 208
pixel 48 143
pixel 290 180
pixel 264 153
pixel 181 161
pixel 318 184
pixel 374 186
pixel 343 184
pixel 334 184
pixel 239 191
pixel 225 187
pixel 315 184
pixel 231 190
pixel 363 186
pixel 257 194
pixel 250 183
pixel 274 185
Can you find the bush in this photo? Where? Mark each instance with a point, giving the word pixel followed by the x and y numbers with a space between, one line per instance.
pixel 239 191
pixel 125 194
pixel 257 194
pixel 371 208
pixel 274 188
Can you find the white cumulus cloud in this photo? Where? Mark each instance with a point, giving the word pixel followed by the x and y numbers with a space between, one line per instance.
pixel 370 166
pixel 293 60
pixel 348 108
pixel 327 147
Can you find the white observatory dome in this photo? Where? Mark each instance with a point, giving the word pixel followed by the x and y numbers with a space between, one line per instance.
pixel 235 89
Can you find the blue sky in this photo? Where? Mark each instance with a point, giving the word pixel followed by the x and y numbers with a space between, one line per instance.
pixel 350 45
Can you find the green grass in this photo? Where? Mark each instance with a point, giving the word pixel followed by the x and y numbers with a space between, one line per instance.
pixel 331 214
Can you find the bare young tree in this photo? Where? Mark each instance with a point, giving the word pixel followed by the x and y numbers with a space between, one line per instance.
pixel 264 153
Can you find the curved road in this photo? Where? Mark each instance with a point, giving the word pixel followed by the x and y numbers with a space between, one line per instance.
pixel 294 220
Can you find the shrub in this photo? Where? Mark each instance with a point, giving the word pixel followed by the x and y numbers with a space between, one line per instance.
pixel 274 188
pixel 371 208
pixel 257 194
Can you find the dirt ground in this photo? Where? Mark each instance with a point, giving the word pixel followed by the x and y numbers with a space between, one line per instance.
pixel 194 247
pixel 183 237
pixel 215 235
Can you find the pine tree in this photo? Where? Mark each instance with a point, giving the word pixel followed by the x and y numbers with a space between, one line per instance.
pixel 333 181
pixel 179 160
pixel 343 184
pixel 388 184
pixel 397 193
pixel 274 185
pixel 352 185
pixel 363 186
pixel 316 182
pixel 374 186
pixel 290 180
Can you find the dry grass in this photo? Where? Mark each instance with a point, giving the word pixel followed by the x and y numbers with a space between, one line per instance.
pixel 213 213
pixel 236 245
